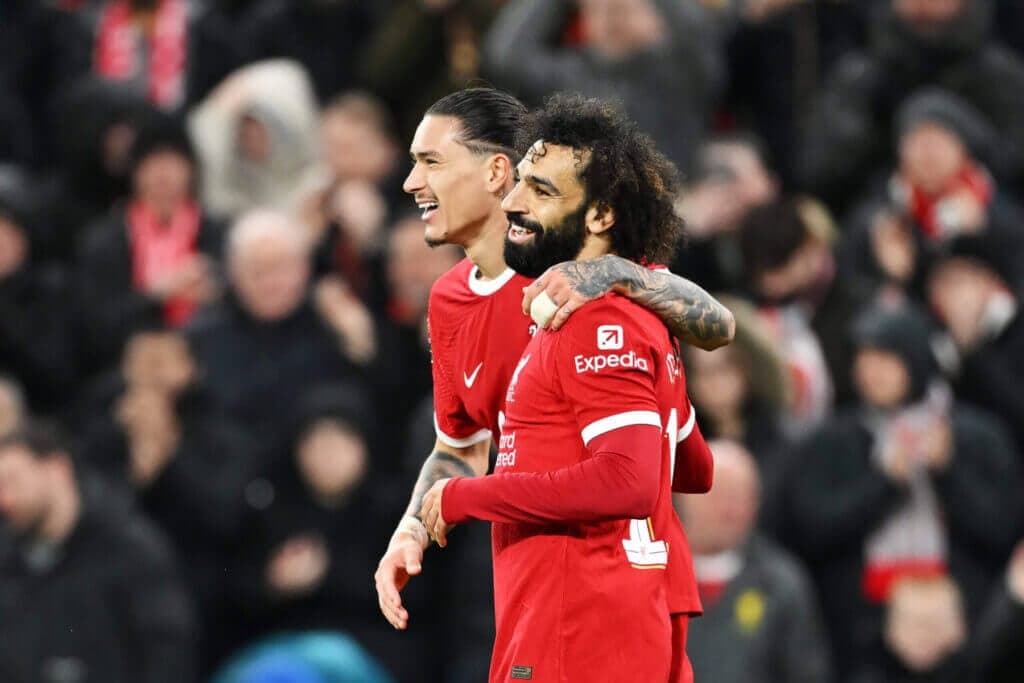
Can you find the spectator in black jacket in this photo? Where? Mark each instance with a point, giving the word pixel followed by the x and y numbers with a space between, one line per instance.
pixel 274 337
pixel 914 44
pixel 36 322
pixel 89 591
pixel 969 291
pixel 42 50
pixel 313 532
pixel 167 444
pixel 660 58
pixel 940 191
pixel 905 483
pixel 153 259
pixel 326 37
pixel 999 642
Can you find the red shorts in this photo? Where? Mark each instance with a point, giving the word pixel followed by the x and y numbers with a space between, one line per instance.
pixel 681 672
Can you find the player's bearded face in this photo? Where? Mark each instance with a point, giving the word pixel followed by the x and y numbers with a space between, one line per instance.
pixel 548 245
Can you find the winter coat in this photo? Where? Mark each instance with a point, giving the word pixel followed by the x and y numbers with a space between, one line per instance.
pixel 104 606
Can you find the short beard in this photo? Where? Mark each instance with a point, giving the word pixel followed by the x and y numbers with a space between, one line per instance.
pixel 550 246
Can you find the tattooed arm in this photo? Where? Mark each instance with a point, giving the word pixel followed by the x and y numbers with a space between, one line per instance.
pixel 404 556
pixel 447 462
pixel 692 315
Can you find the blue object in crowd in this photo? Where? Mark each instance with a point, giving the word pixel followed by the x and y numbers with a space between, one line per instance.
pixel 314 657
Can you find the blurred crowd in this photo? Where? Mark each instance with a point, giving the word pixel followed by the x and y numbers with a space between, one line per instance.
pixel 214 380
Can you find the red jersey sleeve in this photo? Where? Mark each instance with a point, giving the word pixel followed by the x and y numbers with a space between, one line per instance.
pixel 605 371
pixel 694 466
pixel 453 425
pixel 604 360
pixel 618 481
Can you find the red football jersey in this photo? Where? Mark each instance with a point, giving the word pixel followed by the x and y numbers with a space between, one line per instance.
pixel 590 601
pixel 477 333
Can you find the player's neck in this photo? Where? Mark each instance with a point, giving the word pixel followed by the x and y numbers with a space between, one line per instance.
pixel 595 246
pixel 487 250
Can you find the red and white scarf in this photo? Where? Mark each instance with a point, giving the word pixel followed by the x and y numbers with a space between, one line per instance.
pixel 159 248
pixel 120 46
pixel 927 209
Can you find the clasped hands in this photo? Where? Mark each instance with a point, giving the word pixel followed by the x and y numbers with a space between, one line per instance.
pixel 430 513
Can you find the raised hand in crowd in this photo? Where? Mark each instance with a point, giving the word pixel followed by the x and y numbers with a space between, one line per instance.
pixel 348 317
pixel 298 566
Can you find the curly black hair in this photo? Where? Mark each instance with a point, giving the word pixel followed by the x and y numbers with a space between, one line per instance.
pixel 622 171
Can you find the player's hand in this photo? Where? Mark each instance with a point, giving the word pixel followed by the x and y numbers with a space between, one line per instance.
pixel 564 284
pixel 403 559
pixel 431 515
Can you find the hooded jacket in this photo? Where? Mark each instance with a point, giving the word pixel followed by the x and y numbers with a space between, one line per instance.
pixel 279 95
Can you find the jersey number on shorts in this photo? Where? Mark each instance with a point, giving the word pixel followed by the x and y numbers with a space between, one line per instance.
pixel 642 550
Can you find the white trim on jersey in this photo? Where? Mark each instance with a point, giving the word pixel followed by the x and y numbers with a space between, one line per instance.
pixel 686 429
pixel 460 443
pixel 612 422
pixel 488 287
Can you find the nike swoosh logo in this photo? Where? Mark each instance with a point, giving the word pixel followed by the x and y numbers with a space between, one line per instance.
pixel 471 379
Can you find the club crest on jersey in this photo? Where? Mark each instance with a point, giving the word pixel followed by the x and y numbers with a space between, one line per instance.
pixel 672 363
pixel 610 360
pixel 510 394
pixel 609 337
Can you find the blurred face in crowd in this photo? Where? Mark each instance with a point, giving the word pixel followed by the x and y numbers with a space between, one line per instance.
pixel 12 407
pixel 797 275
pixel 254 143
pixel 13 248
pixel 116 148
pixel 453 187
pixel 27 484
pixel 959 291
pixel 413 267
pixel 881 378
pixel 160 361
pixel 617 28
pixel 928 16
pixel 930 156
pixel 549 217
pixel 925 622
pixel 733 181
pixel 356 148
pixel 721 519
pixel 163 179
pixel 270 269
pixel 332 458
pixel 750 181
pixel 717 380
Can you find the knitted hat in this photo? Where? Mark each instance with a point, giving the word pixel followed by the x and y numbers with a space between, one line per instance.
pixel 904 331
pixel 934 105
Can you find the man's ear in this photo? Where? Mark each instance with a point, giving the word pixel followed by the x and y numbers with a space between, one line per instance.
pixel 600 218
pixel 498 174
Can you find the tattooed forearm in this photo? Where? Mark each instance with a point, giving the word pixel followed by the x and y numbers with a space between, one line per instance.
pixel 691 314
pixel 439 465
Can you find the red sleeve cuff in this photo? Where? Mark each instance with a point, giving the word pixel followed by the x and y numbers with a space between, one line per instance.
pixel 457 498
